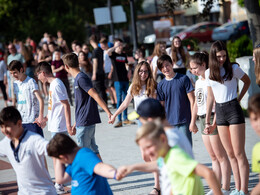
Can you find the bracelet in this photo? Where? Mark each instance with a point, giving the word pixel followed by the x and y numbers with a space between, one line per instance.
pixel 115 175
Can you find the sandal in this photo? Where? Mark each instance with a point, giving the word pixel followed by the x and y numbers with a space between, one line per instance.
pixel 157 191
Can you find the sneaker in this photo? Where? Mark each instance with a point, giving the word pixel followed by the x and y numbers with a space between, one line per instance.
pixel 210 192
pixel 235 192
pixel 119 124
pixel 59 188
pixel 243 193
pixel 127 122
pixel 225 192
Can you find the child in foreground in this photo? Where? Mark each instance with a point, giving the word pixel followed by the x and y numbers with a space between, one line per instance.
pixel 184 172
pixel 86 171
pixel 26 151
pixel 254 114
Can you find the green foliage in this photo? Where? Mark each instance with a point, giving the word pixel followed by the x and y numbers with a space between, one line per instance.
pixel 243 46
pixel 242 3
pixel 191 43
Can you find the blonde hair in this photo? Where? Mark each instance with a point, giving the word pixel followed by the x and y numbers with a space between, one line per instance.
pixel 150 82
pixel 257 64
pixel 157 51
pixel 150 130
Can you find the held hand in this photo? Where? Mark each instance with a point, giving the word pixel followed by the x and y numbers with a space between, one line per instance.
pixel 211 128
pixel 123 171
pixel 206 130
pixel 112 119
pixel 70 130
pixel 193 128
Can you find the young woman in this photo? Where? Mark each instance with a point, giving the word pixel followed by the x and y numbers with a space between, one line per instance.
pixel 140 55
pixel 84 64
pixel 143 86
pixel 256 59
pixel 158 51
pixel 220 162
pixel 179 55
pixel 222 80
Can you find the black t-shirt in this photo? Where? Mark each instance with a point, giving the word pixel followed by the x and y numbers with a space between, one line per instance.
pixel 98 54
pixel 118 62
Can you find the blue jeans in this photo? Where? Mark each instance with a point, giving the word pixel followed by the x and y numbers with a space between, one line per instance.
pixel 184 128
pixel 86 137
pixel 121 92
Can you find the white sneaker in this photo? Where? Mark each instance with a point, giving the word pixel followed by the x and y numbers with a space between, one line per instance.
pixel 225 192
pixel 59 188
pixel 210 192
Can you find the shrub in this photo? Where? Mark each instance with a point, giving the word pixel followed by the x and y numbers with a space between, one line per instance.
pixel 191 44
pixel 243 46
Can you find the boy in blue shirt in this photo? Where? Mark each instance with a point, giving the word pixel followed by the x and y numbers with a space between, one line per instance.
pixel 85 170
pixel 176 92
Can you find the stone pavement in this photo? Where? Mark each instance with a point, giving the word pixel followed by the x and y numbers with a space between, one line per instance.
pixel 117 147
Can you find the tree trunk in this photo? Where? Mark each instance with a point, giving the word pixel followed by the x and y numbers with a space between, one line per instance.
pixel 253 15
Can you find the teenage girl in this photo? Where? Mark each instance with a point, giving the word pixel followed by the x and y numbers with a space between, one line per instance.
pixel 143 86
pixel 178 54
pixel 222 79
pixel 256 59
pixel 220 162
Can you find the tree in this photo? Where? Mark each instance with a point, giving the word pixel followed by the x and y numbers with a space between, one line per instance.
pixel 252 9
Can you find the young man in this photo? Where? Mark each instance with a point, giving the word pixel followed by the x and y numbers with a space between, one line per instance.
pixel 254 114
pixel 85 170
pixel 28 98
pixel 26 151
pixel 98 75
pixel 183 172
pixel 176 92
pixel 59 117
pixel 121 77
pixel 86 99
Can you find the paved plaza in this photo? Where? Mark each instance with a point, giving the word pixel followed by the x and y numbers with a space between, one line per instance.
pixel 117 147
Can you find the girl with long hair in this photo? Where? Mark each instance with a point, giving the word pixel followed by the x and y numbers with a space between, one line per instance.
pixel 222 81
pixel 84 64
pixel 256 59
pixel 220 162
pixel 178 55
pixel 159 50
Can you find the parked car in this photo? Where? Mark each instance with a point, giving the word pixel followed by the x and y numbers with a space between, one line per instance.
pixel 173 31
pixel 200 31
pixel 231 31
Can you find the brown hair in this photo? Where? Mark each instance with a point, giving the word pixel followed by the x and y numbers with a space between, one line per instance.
pixel 45 67
pixel 15 65
pixel 257 64
pixel 71 59
pixel 254 104
pixel 103 40
pixel 175 51
pixel 149 130
pixel 86 65
pixel 200 58
pixel 214 64
pixel 157 51
pixel 150 82
pixel 162 59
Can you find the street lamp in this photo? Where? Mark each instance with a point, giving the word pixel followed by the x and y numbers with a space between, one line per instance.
pixel 132 10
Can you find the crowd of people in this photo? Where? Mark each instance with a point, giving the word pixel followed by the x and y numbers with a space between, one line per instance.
pixel 167 105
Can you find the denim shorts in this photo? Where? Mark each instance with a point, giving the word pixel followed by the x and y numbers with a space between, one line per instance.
pixel 54 133
pixel 34 128
pixel 229 113
pixel 202 125
pixel 86 137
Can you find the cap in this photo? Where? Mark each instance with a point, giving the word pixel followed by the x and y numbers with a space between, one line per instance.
pixel 148 108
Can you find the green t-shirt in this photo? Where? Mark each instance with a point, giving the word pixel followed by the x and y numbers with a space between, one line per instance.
pixel 256 158
pixel 180 169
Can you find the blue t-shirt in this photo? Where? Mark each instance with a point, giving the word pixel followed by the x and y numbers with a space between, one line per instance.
pixel 174 93
pixel 84 180
pixel 86 111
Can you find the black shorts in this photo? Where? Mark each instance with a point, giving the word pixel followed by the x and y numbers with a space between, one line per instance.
pixel 229 113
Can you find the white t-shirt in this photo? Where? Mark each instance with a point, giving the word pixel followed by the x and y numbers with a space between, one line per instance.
pixel 27 103
pixel 201 92
pixel 56 111
pixel 32 175
pixel 228 90
pixel 138 98
pixel 179 63
pixel 3 70
pixel 154 64
pixel 107 63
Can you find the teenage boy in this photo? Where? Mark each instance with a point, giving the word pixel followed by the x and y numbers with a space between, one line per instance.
pixel 29 101
pixel 85 170
pixel 26 151
pixel 176 92
pixel 121 77
pixel 254 114
pixel 59 117
pixel 86 99
pixel 183 172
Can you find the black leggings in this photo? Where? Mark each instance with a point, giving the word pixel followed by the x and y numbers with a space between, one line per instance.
pixel 3 88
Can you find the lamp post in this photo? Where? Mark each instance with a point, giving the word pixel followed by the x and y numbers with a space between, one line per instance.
pixel 132 9
pixel 111 18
